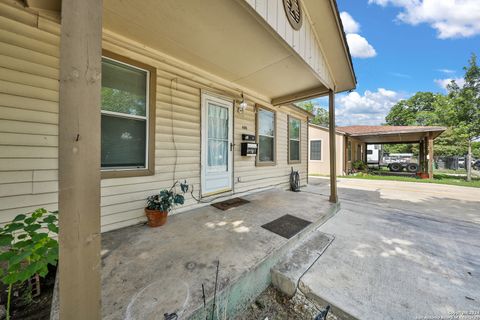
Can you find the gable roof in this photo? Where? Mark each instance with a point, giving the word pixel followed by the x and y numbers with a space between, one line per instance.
pixel 378 130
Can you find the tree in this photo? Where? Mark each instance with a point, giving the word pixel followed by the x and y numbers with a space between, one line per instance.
pixel 415 111
pixel 320 114
pixel 464 114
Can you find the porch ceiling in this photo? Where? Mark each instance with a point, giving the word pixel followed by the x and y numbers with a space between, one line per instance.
pixel 220 37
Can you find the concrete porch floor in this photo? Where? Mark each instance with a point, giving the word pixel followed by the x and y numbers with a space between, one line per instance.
pixel 147 272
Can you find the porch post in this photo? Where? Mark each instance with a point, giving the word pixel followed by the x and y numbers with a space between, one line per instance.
pixel 333 153
pixel 430 156
pixel 79 159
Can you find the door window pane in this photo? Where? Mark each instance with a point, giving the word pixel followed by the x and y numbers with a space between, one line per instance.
pixel 217 122
pixel 124 88
pixel 218 154
pixel 123 142
pixel 316 150
pixel 217 137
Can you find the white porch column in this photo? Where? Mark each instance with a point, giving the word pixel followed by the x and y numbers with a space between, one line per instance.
pixel 333 144
pixel 79 160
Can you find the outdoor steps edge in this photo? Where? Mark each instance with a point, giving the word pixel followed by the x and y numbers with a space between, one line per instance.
pixel 243 290
pixel 287 273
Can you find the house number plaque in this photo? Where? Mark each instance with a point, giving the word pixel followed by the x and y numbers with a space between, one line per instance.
pixel 293 10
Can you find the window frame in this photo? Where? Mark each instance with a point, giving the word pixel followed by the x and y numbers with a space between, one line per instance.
pixel 108 173
pixel 299 140
pixel 259 163
pixel 321 150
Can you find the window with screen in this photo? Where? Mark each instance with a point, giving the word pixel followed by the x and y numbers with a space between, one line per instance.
pixel 316 150
pixel 293 140
pixel 126 118
pixel 265 136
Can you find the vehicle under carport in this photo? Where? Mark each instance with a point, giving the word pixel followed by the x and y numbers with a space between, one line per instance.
pixel 357 138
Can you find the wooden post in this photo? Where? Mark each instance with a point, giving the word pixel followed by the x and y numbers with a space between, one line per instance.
pixel 333 144
pixel 430 156
pixel 421 160
pixel 79 160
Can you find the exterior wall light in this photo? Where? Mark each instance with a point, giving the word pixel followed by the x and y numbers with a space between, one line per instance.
pixel 243 105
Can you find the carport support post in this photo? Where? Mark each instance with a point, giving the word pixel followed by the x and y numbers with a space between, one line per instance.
pixel 421 160
pixel 333 153
pixel 79 160
pixel 430 156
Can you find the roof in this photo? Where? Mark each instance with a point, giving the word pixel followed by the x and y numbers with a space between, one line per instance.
pixel 369 130
pixel 391 134
pixel 316 126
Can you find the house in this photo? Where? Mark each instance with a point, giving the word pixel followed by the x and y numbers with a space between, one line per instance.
pixel 105 104
pixel 352 142
pixel 319 150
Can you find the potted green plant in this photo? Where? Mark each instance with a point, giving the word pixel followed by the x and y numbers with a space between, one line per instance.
pixel 161 204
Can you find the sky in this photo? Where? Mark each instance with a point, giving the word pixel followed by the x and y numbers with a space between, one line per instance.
pixel 400 47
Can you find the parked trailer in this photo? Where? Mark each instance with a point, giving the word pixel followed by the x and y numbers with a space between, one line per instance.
pixel 395 162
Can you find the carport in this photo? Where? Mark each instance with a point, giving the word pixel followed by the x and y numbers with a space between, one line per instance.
pixel 358 137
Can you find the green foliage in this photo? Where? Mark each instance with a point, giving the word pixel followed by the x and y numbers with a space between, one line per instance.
pixel 359 165
pixel 166 200
pixel 414 111
pixel 459 110
pixel 122 101
pixel 28 247
pixel 321 114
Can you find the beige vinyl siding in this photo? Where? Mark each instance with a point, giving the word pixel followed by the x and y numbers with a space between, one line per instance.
pixel 303 42
pixel 29 126
pixel 28 113
pixel 322 166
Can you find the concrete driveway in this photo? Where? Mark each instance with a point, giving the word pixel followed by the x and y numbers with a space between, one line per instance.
pixel 401 251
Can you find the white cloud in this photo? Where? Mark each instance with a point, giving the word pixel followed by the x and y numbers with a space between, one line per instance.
pixel 367 109
pixel 451 18
pixel 401 75
pixel 447 71
pixel 359 46
pixel 349 24
pixel 443 83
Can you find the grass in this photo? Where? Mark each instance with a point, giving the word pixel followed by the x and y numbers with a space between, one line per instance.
pixel 438 178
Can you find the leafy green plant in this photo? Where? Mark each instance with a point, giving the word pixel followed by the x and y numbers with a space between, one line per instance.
pixel 28 247
pixel 166 200
pixel 359 165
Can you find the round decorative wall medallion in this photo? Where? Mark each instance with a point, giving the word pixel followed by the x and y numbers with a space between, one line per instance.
pixel 293 10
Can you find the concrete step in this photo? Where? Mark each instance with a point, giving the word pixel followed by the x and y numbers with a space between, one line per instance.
pixel 287 273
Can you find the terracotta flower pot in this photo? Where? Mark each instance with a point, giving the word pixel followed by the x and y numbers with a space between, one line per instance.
pixel 156 218
pixel 423 175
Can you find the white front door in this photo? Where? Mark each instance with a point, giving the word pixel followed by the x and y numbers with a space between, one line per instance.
pixel 217 145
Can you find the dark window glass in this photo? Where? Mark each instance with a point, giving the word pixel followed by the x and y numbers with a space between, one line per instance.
pixel 123 142
pixel 316 150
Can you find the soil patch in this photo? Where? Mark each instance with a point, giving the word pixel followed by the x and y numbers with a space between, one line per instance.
pixel 32 308
pixel 273 305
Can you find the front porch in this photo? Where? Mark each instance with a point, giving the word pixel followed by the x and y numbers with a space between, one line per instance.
pixel 147 272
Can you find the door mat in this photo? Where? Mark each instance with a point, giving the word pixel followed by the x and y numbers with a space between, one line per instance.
pixel 286 226
pixel 230 203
